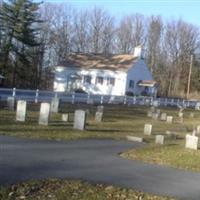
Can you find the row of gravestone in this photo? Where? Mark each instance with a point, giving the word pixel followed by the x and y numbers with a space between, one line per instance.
pixel 46 108
pixel 191 141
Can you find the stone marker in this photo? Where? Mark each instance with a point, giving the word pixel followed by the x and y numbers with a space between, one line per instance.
pixel 163 117
pixel 179 120
pixel 191 115
pixel 155 116
pixel 169 119
pixel 134 139
pixel 149 113
pixel 153 109
pixel 79 120
pixel 44 114
pixel 180 114
pixel 100 108
pixel 11 103
pixel 21 111
pixel 65 117
pixel 155 103
pixel 98 116
pixel 147 129
pixel 197 106
pixel 54 105
pixel 159 139
pixel 198 129
pixel 191 142
pixel 158 111
pixel 173 135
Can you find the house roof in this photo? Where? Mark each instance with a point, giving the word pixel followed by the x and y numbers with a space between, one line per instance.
pixel 99 61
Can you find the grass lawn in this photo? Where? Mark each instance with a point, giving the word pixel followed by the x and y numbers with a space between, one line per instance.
pixel 71 190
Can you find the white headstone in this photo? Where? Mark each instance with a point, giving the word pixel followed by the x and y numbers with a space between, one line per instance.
pixel 191 115
pixel 11 103
pixel 21 111
pixel 44 113
pixel 65 117
pixel 198 129
pixel 98 116
pixel 163 117
pixel 160 139
pixel 180 114
pixel 147 129
pixel 149 113
pixel 191 142
pixel 134 139
pixel 197 106
pixel 54 105
pixel 155 116
pixel 158 111
pixel 155 103
pixel 169 119
pixel 100 108
pixel 79 119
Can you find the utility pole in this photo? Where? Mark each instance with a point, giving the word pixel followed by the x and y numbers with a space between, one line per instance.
pixel 189 77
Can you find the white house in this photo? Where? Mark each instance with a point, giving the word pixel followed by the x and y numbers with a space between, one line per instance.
pixel 106 75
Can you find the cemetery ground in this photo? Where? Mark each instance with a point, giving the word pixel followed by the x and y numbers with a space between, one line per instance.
pixel 118 122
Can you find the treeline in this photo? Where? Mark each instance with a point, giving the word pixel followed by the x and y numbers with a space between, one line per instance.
pixel 31 45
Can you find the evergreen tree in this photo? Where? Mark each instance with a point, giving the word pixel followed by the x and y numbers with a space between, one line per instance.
pixel 20 27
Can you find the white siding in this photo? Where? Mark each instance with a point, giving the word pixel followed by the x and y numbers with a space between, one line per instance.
pixel 138 72
pixel 62 81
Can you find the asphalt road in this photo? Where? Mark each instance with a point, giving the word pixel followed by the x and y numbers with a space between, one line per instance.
pixel 94 161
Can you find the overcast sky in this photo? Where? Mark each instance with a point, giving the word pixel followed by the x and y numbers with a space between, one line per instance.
pixel 188 10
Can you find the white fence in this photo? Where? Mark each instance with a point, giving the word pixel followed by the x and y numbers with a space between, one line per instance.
pixel 46 96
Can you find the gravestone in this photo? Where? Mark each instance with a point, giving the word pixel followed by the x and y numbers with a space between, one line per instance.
pixel 79 120
pixel 54 105
pixel 147 129
pixel 155 116
pixel 158 111
pixel 180 114
pixel 172 135
pixel 11 103
pixel 98 116
pixel 191 115
pixel 191 142
pixel 197 106
pixel 179 120
pixel 169 119
pixel 153 109
pixel 149 113
pixel 65 117
pixel 134 139
pixel 159 139
pixel 21 111
pixel 100 108
pixel 155 103
pixel 163 117
pixel 198 129
pixel 44 114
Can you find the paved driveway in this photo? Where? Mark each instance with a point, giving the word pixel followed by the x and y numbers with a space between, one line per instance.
pixel 92 160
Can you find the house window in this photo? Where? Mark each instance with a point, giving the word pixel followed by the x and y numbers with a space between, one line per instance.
pixel 99 80
pixel 87 79
pixel 110 81
pixel 131 84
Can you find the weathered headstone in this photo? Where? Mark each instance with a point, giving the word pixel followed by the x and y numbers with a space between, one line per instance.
pixel 158 111
pixel 100 108
pixel 155 116
pixel 79 120
pixel 197 106
pixel 11 103
pixel 147 129
pixel 180 114
pixel 55 105
pixel 65 117
pixel 172 135
pixel 155 103
pixel 191 142
pixel 169 119
pixel 191 115
pixel 44 114
pixel 134 139
pixel 149 113
pixel 98 116
pixel 21 111
pixel 153 109
pixel 163 117
pixel 159 139
pixel 198 129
